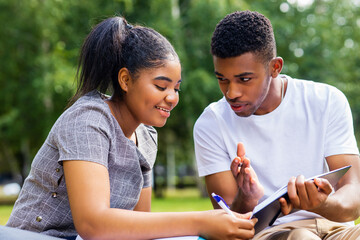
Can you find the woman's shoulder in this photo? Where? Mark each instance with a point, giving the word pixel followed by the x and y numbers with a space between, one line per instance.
pixel 89 110
pixel 89 106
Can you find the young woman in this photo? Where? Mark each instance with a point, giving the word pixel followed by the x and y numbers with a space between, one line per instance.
pixel 92 176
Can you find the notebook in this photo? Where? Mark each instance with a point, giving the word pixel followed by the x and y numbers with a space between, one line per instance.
pixel 268 210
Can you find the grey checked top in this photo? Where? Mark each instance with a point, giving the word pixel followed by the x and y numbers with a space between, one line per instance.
pixel 86 131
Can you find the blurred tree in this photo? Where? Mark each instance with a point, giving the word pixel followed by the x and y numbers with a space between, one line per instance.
pixel 40 42
pixel 26 44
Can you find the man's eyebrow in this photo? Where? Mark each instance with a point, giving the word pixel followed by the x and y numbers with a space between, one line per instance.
pixel 165 79
pixel 238 75
pixel 243 74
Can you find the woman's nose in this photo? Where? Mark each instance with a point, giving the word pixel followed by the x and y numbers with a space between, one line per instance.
pixel 172 98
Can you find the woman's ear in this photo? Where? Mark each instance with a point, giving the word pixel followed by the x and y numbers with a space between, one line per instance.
pixel 123 79
pixel 276 66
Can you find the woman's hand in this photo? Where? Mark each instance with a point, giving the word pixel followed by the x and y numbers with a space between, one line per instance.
pixel 217 224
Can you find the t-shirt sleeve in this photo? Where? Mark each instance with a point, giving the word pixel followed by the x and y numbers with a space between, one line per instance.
pixel 210 150
pixel 151 156
pixel 340 138
pixel 83 134
pixel 147 179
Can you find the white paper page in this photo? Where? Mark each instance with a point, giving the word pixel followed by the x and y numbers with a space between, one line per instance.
pixel 171 238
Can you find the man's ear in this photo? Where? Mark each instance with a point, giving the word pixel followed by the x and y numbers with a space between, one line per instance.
pixel 276 65
pixel 124 78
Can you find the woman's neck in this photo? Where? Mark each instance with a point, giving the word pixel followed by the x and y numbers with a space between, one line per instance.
pixel 124 118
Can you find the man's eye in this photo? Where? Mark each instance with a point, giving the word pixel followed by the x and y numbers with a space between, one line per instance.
pixel 160 88
pixel 221 79
pixel 245 79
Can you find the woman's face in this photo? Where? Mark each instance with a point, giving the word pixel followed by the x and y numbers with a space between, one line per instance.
pixel 154 93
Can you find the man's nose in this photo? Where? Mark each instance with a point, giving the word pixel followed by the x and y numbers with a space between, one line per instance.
pixel 234 90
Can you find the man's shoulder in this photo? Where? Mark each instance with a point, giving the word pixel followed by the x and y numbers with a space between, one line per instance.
pixel 300 82
pixel 314 89
pixel 212 111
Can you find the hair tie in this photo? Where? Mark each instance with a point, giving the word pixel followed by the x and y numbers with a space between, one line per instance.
pixel 129 26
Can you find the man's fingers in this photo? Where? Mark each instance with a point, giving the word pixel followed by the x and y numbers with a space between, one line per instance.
pixel 292 192
pixel 301 189
pixel 285 206
pixel 323 185
pixel 245 163
pixel 313 194
pixel 235 166
pixel 240 150
pixel 247 177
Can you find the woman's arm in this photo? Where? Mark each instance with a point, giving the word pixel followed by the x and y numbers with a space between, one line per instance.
pixel 144 203
pixel 89 195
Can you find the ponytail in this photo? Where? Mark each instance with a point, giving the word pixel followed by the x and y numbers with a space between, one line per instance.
pixel 114 44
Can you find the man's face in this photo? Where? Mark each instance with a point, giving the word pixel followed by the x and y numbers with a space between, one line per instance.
pixel 245 83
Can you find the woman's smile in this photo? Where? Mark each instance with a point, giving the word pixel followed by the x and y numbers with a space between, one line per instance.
pixel 163 111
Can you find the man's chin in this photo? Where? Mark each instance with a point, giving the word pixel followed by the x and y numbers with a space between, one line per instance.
pixel 243 114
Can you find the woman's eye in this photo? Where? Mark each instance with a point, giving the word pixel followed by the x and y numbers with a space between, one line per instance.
pixel 160 88
pixel 177 89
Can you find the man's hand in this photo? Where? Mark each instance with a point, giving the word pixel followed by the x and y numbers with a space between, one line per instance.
pixel 306 195
pixel 250 189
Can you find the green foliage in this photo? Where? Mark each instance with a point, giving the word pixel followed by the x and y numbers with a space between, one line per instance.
pixel 40 43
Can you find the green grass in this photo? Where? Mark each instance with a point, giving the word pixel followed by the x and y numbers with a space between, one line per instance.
pixel 5 211
pixel 181 201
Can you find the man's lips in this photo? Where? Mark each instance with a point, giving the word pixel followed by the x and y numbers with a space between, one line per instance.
pixel 238 107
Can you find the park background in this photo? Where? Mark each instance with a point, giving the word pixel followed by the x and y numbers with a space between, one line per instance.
pixel 39 46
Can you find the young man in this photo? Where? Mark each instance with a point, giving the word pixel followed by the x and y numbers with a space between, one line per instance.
pixel 291 129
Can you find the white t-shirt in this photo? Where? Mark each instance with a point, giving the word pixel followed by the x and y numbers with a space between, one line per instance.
pixel 312 122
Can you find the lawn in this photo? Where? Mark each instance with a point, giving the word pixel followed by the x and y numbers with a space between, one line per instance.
pixel 174 201
pixel 181 200
pixel 5 211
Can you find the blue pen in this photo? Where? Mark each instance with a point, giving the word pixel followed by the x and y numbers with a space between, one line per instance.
pixel 222 204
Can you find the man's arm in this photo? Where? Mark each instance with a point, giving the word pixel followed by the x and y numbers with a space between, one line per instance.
pixel 342 206
pixel 223 184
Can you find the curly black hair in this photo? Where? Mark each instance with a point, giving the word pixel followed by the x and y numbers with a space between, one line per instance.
pixel 242 32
